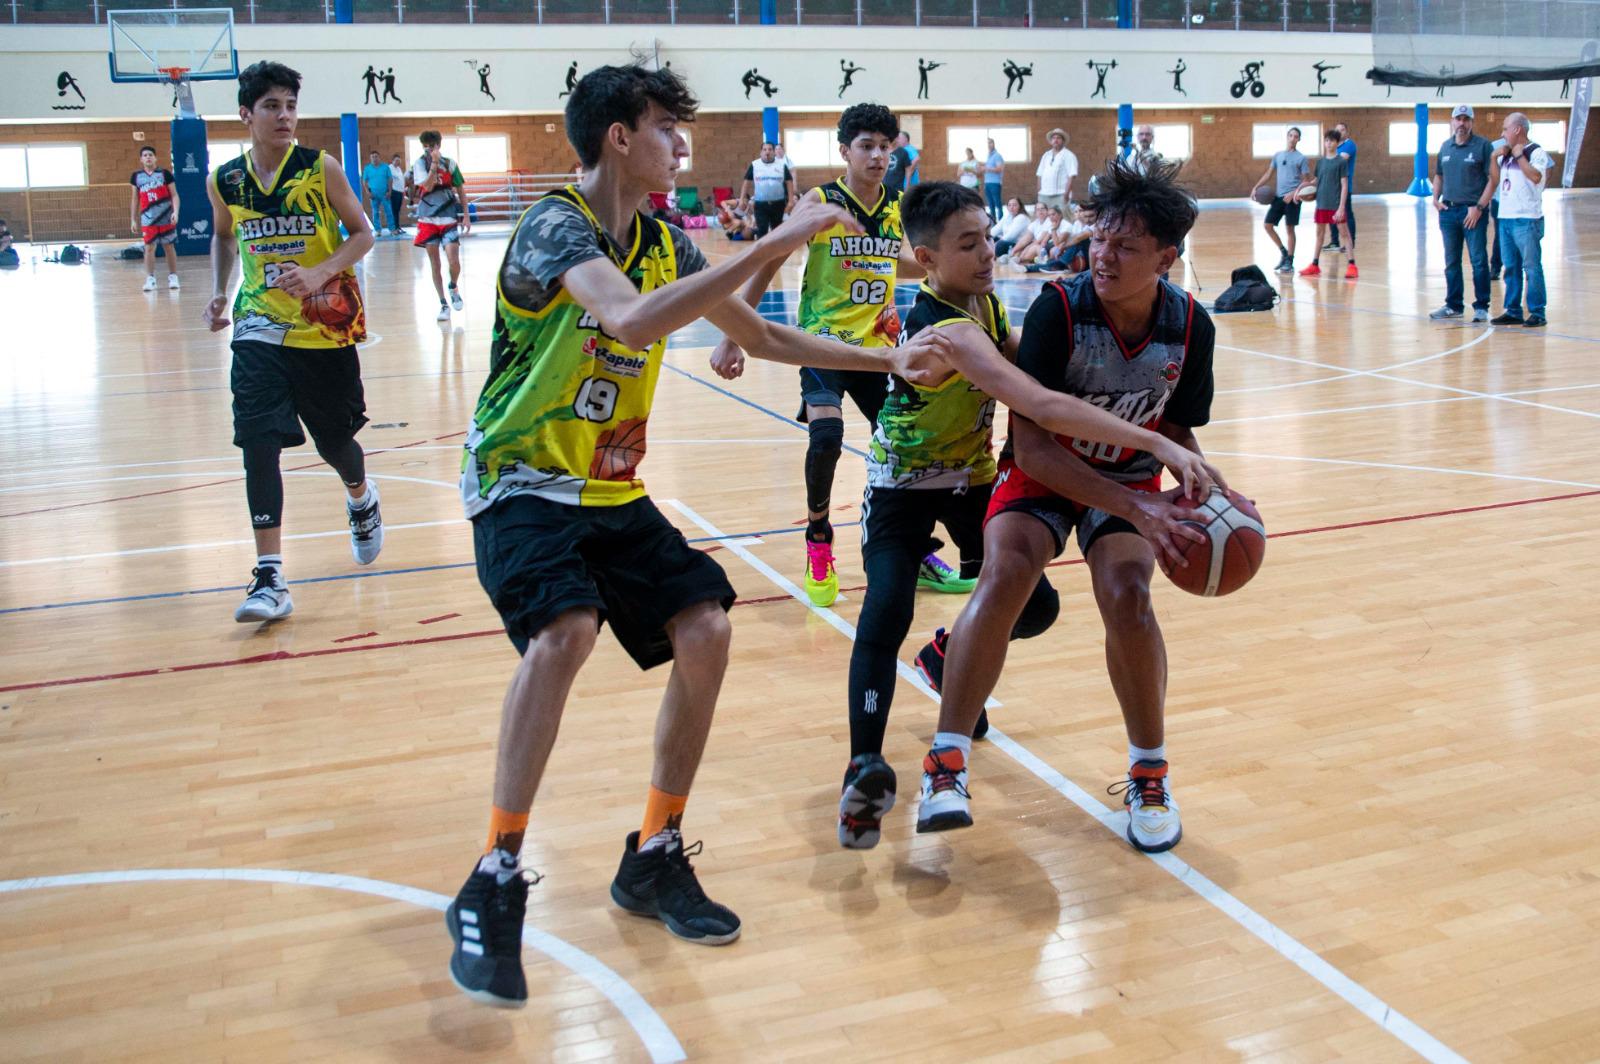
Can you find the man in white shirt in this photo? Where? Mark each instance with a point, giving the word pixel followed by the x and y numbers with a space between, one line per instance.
pixel 772 183
pixel 1521 170
pixel 1057 168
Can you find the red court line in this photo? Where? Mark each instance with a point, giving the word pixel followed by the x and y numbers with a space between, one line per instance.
pixel 441 617
pixel 353 638
pixel 284 655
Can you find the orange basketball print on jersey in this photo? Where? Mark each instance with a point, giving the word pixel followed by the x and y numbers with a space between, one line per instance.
pixel 336 306
pixel 887 324
pixel 618 451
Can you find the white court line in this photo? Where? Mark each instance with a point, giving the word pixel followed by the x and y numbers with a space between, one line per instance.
pixel 1368 1004
pixel 170 548
pixel 652 1030
pixel 232 473
pixel 1408 468
pixel 1350 374
pixel 1342 410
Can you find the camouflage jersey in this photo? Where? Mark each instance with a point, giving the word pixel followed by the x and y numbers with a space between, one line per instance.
pixel 937 437
pixel 563 413
pixel 847 285
pixel 288 221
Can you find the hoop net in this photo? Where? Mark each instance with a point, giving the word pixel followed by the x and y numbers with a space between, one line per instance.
pixel 174 74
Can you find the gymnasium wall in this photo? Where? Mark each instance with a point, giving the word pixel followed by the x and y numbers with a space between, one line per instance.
pixel 725 143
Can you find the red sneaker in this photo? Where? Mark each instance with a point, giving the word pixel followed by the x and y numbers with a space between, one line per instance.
pixel 1351 273
pixel 1311 271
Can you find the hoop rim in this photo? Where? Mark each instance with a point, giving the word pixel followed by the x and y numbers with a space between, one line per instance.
pixel 174 73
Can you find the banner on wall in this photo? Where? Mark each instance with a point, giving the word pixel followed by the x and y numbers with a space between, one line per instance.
pixel 1578 120
pixel 190 165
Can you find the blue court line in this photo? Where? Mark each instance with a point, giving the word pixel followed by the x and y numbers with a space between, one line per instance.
pixel 337 576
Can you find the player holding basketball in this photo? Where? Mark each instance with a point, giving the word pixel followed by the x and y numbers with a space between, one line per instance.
pixel 441 220
pixel 564 533
pixel 930 460
pixel 296 321
pixel 155 215
pixel 847 293
pixel 1126 340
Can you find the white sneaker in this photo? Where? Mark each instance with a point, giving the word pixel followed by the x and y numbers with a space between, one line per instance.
pixel 366 528
pixel 1153 822
pixel 946 802
pixel 172 281
pixel 267 598
pixel 455 297
pixel 444 313
pixel 1479 315
pixel 150 283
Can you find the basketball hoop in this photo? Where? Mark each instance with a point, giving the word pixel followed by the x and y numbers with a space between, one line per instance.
pixel 174 74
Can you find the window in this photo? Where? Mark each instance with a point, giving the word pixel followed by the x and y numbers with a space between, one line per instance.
pixel 811 147
pixel 1173 141
pixel 1551 136
pixel 1010 141
pixel 1403 137
pixel 688 140
pixel 221 151
pixel 43 166
pixel 486 153
pixel 1268 138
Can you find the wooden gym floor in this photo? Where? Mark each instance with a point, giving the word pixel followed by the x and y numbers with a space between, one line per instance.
pixel 228 842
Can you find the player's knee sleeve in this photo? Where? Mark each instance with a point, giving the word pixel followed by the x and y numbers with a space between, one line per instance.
pixel 263 481
pixel 822 456
pixel 347 459
pixel 1041 611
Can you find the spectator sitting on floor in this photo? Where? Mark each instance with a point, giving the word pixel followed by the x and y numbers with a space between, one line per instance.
pixel 735 221
pixel 1069 248
pixel 1038 229
pixel 1010 229
pixel 8 254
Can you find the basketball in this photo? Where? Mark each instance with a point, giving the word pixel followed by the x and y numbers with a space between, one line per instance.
pixel 336 304
pixel 1236 541
pixel 618 451
pixel 1306 192
pixel 1262 194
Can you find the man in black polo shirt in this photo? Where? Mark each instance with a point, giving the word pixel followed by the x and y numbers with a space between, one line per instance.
pixel 1463 185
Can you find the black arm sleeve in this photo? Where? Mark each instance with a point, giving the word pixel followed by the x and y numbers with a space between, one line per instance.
pixel 1046 340
pixel 1191 400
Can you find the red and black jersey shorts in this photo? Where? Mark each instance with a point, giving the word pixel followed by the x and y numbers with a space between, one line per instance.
pixel 1016 492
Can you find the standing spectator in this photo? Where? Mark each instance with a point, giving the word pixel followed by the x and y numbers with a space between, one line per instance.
pixel 397 191
pixel 1347 148
pixel 773 184
pixel 155 215
pixel 1010 229
pixel 1333 195
pixel 1463 188
pixel 994 173
pixel 1289 169
pixel 8 254
pixel 1144 150
pixel 376 177
pixel 894 179
pixel 914 171
pixel 967 170
pixel 1057 168
pixel 1521 169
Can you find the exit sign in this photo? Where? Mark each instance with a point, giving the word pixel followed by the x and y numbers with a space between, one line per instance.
pixel 463 129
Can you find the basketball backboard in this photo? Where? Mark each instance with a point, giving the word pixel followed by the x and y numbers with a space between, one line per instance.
pixel 147 45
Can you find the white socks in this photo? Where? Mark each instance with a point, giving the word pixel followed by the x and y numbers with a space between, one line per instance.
pixel 956 740
pixel 1140 753
pixel 270 561
pixel 365 500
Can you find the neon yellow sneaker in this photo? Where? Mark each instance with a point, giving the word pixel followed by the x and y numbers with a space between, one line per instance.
pixel 822 583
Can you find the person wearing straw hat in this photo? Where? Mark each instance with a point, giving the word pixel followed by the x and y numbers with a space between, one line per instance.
pixel 1057 168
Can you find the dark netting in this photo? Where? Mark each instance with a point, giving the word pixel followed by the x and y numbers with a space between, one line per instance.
pixel 1477 42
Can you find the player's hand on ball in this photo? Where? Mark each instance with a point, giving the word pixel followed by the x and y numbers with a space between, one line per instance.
pixel 300 281
pixel 1163 523
pixel 922 359
pixel 216 314
pixel 1195 474
pixel 727 361
pixel 808 219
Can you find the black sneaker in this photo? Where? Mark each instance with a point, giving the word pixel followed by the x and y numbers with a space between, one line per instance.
pixel 486 922
pixel 1534 321
pixel 661 883
pixel 1506 319
pixel 930 663
pixel 867 794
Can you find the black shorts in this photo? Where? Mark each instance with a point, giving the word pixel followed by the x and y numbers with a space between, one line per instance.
pixel 1283 210
pixel 538 559
pixel 902 519
pixel 828 387
pixel 275 388
pixel 769 215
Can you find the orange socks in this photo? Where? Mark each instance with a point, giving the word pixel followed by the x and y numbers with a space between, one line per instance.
pixel 661 811
pixel 506 831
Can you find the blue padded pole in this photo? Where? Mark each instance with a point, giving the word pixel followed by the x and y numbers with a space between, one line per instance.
pixel 1420 186
pixel 769 115
pixel 350 144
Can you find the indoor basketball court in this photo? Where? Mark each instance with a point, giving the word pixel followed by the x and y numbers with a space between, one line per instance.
pixel 237 841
